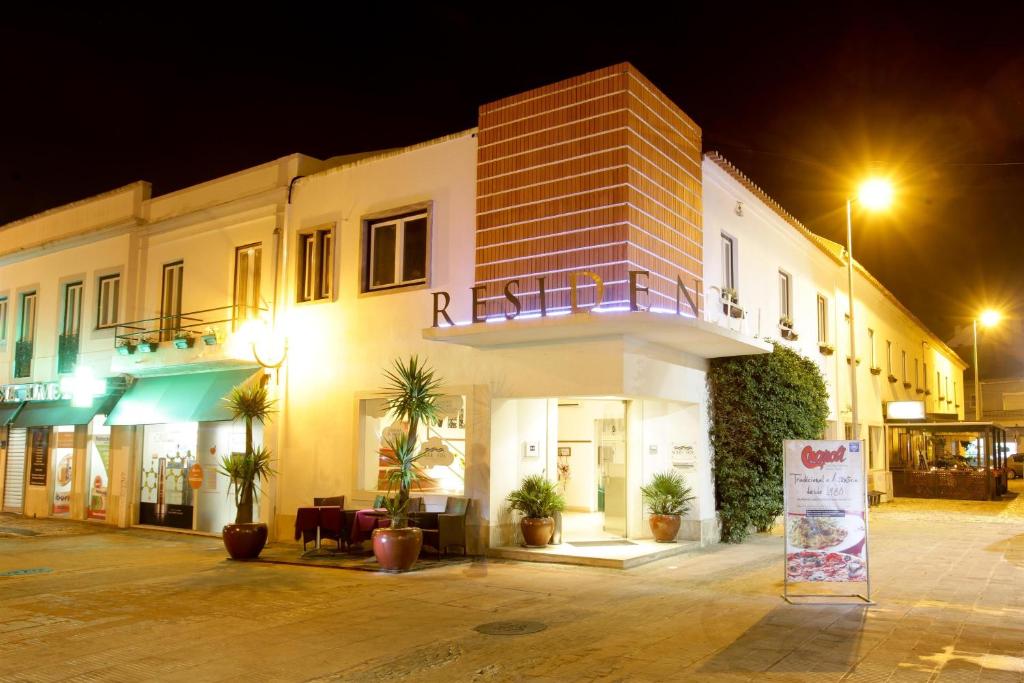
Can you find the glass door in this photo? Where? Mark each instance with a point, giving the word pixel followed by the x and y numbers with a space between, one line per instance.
pixel 611 463
pixel 62 460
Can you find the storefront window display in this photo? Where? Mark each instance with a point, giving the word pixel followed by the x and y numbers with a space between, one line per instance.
pixel 62 463
pixel 168 452
pixel 99 470
pixel 442 441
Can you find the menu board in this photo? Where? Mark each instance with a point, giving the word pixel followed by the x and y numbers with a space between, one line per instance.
pixel 825 512
pixel 38 447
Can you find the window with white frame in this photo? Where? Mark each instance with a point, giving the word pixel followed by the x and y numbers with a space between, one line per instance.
pixel 397 251
pixel 871 352
pixel 888 357
pixel 27 320
pixel 247 281
pixel 170 299
pixel 72 319
pixel 3 319
pixel 785 296
pixel 822 320
pixel 316 265
pixel 108 300
pixel 728 262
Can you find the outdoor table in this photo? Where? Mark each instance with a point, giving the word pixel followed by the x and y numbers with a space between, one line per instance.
pixel 366 521
pixel 328 517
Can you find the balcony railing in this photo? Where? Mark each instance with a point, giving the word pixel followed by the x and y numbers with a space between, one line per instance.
pixel 67 353
pixel 23 359
pixel 181 329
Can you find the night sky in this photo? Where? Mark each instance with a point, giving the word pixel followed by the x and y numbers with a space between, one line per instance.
pixel 804 100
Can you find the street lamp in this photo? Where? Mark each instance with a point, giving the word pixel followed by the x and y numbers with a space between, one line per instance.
pixel 988 318
pixel 874 194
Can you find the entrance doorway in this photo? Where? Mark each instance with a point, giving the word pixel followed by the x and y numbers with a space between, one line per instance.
pixel 14 477
pixel 591 467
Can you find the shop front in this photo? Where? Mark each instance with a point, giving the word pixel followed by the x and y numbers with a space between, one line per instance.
pixel 52 446
pixel 956 460
pixel 13 448
pixel 179 426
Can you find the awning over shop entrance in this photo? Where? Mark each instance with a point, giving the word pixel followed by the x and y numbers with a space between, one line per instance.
pixel 8 411
pixel 52 413
pixel 195 397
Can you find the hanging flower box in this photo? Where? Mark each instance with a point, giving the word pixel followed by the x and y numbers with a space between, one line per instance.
pixel 907 385
pixel 826 349
pixel 184 340
pixel 894 379
pixel 126 348
pixel 876 371
pixel 786 329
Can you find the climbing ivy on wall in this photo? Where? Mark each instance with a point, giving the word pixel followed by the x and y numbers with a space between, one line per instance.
pixel 756 403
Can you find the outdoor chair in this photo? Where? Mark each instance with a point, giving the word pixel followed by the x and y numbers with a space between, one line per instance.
pixel 442 530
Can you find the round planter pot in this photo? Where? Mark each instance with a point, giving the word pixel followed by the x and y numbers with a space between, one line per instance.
pixel 537 531
pixel 396 550
pixel 244 541
pixel 665 527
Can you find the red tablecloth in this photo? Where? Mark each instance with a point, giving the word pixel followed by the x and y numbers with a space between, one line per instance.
pixel 365 522
pixel 307 519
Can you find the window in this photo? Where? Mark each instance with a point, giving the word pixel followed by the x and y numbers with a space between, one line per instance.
pixel 316 265
pixel 785 296
pixel 871 351
pixel 904 360
pixel 938 385
pixel 27 323
pixel 398 252
pixel 924 376
pixel 108 300
pixel 956 401
pixel 247 281
pixel 3 319
pixel 170 300
pixel 888 357
pixel 822 320
pixel 917 377
pixel 72 322
pixel 728 262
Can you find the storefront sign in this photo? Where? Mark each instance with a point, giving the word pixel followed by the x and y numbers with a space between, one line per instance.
pixel 37 391
pixel 904 410
pixel 38 447
pixel 514 306
pixel 195 476
pixel 825 511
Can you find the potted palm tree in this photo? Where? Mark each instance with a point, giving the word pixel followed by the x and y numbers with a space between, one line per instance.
pixel 668 498
pixel 397 547
pixel 411 395
pixel 538 499
pixel 246 472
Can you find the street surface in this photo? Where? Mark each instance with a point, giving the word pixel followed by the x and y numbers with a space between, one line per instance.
pixel 948 578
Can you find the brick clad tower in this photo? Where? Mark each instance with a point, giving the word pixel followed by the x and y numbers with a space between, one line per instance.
pixel 601 173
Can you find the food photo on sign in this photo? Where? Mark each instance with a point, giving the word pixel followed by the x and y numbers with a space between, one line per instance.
pixel 826 525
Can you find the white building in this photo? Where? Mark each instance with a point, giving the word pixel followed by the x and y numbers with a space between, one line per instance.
pixel 591 190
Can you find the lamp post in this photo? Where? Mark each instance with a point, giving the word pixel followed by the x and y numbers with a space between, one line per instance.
pixel 875 193
pixel 988 319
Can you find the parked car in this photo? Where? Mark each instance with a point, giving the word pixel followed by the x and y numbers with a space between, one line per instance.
pixel 1015 466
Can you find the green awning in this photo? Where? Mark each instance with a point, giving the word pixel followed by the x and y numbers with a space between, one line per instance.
pixel 8 411
pixel 54 413
pixel 195 397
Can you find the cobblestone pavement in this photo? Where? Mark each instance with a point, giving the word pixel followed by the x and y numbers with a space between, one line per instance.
pixel 151 606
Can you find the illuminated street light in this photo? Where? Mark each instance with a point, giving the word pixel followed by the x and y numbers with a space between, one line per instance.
pixel 875 194
pixel 988 318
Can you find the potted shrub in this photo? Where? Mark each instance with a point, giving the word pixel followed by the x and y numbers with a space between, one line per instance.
pixel 397 547
pixel 246 471
pixel 411 395
pixel 786 328
pixel 538 499
pixel 183 339
pixel 668 498
pixel 730 303
pixel 147 345
pixel 126 347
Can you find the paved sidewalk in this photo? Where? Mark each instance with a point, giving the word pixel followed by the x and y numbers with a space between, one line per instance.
pixel 146 605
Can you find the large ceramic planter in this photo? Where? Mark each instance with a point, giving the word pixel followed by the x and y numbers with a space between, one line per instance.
pixel 537 531
pixel 244 541
pixel 665 527
pixel 396 550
